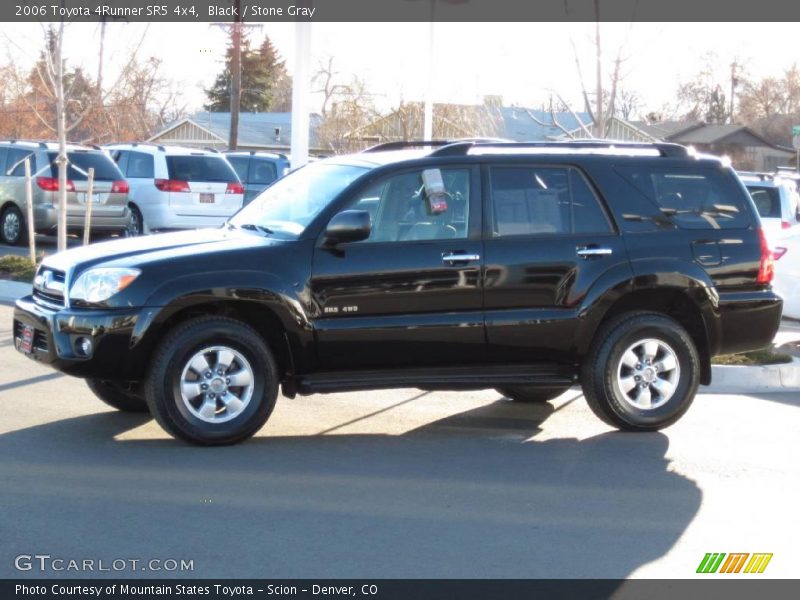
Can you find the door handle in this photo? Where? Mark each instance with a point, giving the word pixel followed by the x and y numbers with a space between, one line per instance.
pixel 454 257
pixel 593 252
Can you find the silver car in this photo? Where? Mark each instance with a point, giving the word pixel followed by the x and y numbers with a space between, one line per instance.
pixel 109 199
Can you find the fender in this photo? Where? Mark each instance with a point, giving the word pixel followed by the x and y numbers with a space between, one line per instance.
pixel 652 274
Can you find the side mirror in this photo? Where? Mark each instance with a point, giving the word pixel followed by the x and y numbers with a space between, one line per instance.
pixel 348 226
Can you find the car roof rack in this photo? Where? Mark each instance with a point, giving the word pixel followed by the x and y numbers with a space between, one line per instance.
pixel 665 149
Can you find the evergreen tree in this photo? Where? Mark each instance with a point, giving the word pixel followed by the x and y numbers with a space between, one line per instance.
pixel 263 78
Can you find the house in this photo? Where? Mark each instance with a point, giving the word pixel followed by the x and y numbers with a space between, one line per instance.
pixel 748 150
pixel 257 131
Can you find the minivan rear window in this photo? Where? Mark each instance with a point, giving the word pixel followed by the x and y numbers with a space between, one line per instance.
pixel 104 168
pixel 767 201
pixel 692 198
pixel 200 168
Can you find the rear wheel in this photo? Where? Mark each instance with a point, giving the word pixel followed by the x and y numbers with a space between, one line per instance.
pixel 642 372
pixel 531 393
pixel 118 394
pixel 135 222
pixel 212 381
pixel 12 226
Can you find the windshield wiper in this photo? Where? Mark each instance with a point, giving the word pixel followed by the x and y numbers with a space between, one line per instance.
pixel 255 227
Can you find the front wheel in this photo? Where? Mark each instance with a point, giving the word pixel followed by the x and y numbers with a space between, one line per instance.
pixel 642 372
pixel 212 381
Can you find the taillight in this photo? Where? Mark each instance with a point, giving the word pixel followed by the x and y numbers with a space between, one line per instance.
pixel 778 252
pixel 786 225
pixel 172 185
pixel 234 188
pixel 50 184
pixel 120 187
pixel 766 268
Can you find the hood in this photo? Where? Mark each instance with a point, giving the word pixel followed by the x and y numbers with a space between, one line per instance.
pixel 152 247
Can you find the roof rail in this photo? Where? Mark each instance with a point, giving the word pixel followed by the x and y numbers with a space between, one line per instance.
pixel 402 144
pixel 462 148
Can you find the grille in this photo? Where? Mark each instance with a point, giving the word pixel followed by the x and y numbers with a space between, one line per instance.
pixel 48 287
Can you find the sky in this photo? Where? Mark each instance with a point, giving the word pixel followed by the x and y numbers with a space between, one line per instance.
pixel 521 62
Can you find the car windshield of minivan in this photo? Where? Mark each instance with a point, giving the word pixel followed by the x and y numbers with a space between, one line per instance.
pixel 287 207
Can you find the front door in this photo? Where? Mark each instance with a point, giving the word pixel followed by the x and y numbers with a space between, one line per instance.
pixel 409 295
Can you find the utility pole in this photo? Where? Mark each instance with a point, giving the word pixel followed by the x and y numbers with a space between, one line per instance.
pixel 235 29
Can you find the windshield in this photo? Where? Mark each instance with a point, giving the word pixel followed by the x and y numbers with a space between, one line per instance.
pixel 287 207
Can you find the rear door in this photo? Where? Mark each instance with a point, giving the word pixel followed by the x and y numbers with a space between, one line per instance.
pixel 409 295
pixel 210 184
pixel 548 238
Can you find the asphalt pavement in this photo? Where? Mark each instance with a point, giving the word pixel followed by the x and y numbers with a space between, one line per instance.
pixel 399 483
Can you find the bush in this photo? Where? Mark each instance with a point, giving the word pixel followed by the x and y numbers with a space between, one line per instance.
pixel 17 268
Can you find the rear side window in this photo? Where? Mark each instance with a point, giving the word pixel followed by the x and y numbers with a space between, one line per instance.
pixel 767 201
pixel 262 171
pixel 140 165
pixel 105 169
pixel 692 198
pixel 240 164
pixel 200 168
pixel 15 157
pixel 544 200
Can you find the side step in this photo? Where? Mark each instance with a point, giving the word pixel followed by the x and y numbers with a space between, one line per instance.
pixel 473 377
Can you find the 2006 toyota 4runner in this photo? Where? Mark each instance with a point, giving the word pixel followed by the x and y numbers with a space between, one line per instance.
pixel 465 265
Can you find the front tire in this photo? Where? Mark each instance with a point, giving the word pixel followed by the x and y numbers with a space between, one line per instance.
pixel 212 381
pixel 531 393
pixel 642 372
pixel 117 395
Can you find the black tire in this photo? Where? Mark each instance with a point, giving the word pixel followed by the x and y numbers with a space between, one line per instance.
pixel 532 393
pixel 13 229
pixel 135 226
pixel 604 364
pixel 118 395
pixel 171 360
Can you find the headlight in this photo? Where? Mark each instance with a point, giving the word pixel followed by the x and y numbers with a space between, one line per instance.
pixel 97 285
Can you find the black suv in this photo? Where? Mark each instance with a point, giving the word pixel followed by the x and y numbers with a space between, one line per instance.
pixel 522 267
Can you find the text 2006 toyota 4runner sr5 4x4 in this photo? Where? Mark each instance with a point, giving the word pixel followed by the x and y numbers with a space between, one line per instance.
pixel 523 267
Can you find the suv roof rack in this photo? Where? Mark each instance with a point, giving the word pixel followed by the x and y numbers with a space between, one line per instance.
pixel 403 144
pixel 665 149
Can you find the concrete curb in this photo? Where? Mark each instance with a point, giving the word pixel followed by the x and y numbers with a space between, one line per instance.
pixel 11 290
pixel 751 380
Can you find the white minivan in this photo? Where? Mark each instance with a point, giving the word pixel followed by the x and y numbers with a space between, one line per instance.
pixel 173 187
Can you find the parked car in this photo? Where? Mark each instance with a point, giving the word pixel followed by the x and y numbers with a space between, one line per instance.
pixel 172 187
pixel 257 170
pixel 787 275
pixel 776 200
pixel 109 195
pixel 522 267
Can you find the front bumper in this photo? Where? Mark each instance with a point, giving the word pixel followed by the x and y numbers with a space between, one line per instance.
pixel 113 334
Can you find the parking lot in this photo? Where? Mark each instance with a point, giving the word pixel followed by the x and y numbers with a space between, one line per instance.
pixel 402 483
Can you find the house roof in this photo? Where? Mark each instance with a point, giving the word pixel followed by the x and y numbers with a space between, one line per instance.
pixel 520 124
pixel 664 130
pixel 255 129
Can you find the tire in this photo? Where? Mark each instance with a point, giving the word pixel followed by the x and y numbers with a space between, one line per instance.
pixel 135 226
pixel 13 229
pixel 117 395
pixel 609 370
pixel 532 393
pixel 191 388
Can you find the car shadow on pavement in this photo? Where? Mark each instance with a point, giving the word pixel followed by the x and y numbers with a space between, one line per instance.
pixel 471 495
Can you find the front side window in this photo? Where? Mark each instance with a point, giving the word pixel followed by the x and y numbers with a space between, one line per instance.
pixel 535 200
pixel 400 210
pixel 287 207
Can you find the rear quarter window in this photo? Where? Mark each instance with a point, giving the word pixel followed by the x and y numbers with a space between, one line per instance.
pixel 692 198
pixel 200 168
pixel 767 201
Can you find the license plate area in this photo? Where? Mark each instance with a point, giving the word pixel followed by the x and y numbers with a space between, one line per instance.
pixel 96 198
pixel 206 198
pixel 26 339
